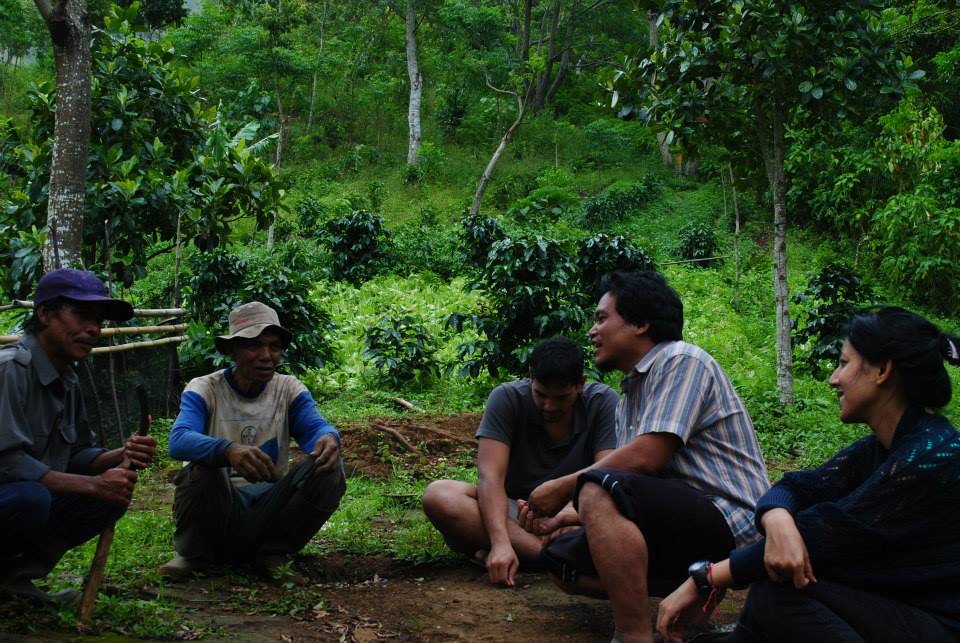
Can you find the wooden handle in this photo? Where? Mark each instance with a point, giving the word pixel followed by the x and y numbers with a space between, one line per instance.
pixel 144 410
pixel 95 577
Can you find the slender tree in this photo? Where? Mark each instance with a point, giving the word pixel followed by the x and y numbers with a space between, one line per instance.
pixel 69 27
pixel 416 85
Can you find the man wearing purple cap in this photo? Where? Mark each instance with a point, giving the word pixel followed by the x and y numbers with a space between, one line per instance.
pixel 56 489
pixel 237 500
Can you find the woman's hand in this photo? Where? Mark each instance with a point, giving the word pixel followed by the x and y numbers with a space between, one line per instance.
pixel 677 611
pixel 785 554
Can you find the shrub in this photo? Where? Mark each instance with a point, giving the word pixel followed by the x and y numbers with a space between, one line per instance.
pixel 423 244
pixel 223 280
pixel 698 242
pixel 432 159
pixel 402 349
pixel 547 202
pixel 831 299
pixel 477 236
pixel 356 246
pixel 615 202
pixel 602 254
pixel 531 285
pixel 311 211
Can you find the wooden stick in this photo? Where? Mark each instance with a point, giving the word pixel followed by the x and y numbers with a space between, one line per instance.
pixel 120 331
pixel 407 405
pixel 449 436
pixel 396 436
pixel 99 350
pixel 137 312
pixel 99 564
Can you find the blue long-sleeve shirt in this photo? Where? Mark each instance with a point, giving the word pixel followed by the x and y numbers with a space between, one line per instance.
pixel 214 414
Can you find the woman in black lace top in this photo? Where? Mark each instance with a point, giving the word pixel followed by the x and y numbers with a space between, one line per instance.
pixel 867 546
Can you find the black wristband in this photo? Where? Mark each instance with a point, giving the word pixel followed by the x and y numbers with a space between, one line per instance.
pixel 700 573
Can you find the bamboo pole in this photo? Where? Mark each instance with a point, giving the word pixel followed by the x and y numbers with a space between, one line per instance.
pixel 100 350
pixel 119 331
pixel 137 312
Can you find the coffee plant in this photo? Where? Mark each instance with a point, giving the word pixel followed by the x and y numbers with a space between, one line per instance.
pixel 401 349
pixel 356 245
pixel 698 244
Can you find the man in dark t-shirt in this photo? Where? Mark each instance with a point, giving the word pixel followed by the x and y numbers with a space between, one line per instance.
pixel 532 430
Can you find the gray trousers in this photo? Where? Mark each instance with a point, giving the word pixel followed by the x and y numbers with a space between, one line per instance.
pixel 223 523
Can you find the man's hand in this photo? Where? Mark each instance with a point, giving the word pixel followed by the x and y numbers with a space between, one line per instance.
pixel 550 497
pixel 679 610
pixel 325 454
pixel 250 462
pixel 115 485
pixel 502 564
pixel 785 554
pixel 539 525
pixel 139 451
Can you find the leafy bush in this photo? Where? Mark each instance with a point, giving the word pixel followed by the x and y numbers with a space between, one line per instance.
pixel 402 349
pixel 831 299
pixel 311 211
pixel 432 159
pixel 549 202
pixel 531 285
pixel 356 245
pixel 618 200
pixel 698 241
pixel 424 244
pixel 602 254
pixel 477 236
pixel 223 280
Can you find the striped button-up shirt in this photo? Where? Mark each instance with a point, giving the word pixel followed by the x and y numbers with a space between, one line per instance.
pixel 679 388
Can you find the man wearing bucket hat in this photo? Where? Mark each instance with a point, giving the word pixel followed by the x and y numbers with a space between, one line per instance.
pixel 57 490
pixel 237 499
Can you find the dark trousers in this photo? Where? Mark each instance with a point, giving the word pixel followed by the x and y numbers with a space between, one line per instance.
pixel 38 527
pixel 827 611
pixel 223 523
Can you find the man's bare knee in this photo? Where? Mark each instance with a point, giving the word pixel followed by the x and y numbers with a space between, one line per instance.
pixel 441 500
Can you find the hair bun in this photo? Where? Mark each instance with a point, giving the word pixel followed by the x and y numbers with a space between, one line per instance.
pixel 950 348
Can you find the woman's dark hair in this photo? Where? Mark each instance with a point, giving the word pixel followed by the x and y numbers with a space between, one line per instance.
pixel 916 347
pixel 644 297
pixel 557 361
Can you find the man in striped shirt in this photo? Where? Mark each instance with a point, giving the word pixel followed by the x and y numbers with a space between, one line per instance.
pixel 683 482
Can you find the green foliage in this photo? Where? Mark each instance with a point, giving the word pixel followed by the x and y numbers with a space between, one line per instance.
pixel 831 299
pixel 477 236
pixel 429 164
pixel 155 156
pixel 548 202
pixel 603 254
pixel 531 284
pixel 402 349
pixel 279 278
pixel 425 244
pixel 617 201
pixel 698 242
pixel 356 243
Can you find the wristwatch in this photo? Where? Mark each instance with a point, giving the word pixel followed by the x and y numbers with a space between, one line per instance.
pixel 700 573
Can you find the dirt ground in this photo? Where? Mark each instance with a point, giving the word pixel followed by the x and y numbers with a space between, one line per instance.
pixel 374 598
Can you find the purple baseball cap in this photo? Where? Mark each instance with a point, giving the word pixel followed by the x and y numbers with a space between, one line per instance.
pixel 80 285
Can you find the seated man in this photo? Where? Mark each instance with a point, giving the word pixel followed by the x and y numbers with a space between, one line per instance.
pixel 532 430
pixel 236 499
pixel 683 484
pixel 57 490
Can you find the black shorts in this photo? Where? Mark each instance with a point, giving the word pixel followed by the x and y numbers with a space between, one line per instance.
pixel 680 524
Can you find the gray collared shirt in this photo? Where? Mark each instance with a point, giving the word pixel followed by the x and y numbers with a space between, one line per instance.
pixel 43 425
pixel 679 388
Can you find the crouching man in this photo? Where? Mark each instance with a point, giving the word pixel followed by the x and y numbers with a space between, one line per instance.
pixel 57 490
pixel 532 430
pixel 237 500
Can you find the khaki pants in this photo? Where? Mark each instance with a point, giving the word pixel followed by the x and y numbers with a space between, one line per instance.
pixel 223 523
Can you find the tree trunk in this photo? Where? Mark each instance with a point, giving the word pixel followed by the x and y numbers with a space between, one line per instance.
pixel 653 34
pixel 736 239
pixel 416 86
pixel 543 84
pixel 316 70
pixel 771 139
pixel 69 28
pixel 492 164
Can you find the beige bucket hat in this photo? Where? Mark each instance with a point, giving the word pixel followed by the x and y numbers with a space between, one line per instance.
pixel 248 321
